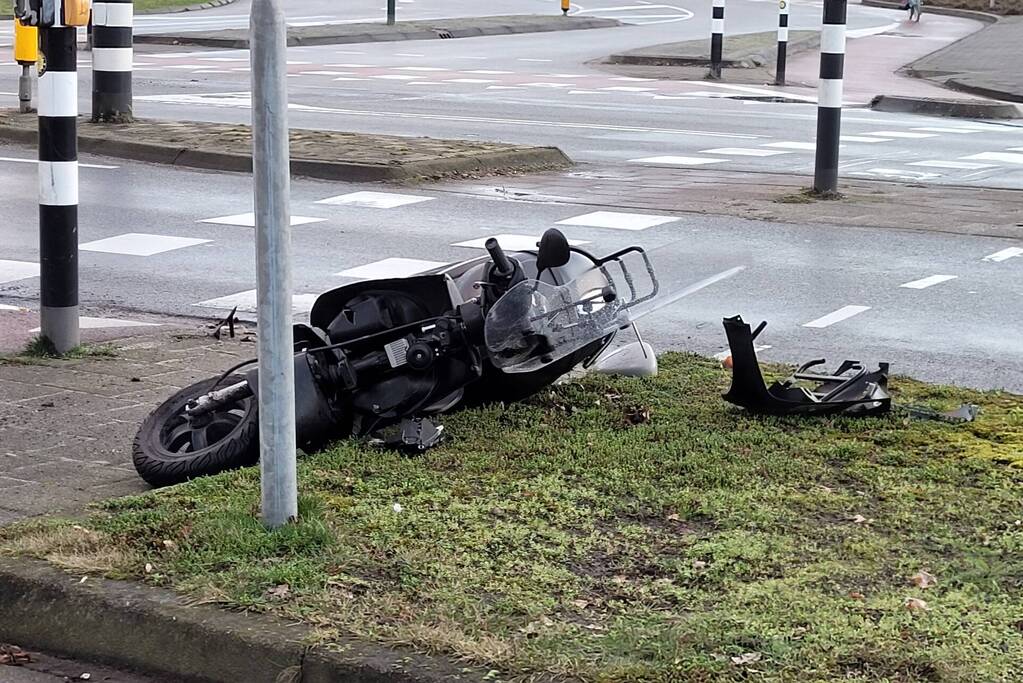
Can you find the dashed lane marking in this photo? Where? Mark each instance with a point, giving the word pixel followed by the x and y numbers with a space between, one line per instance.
pixel 512 242
pixel 390 268
pixel 792 145
pixel 246 301
pixel 964 165
pixel 841 314
pixel 743 152
pixel 11 271
pixel 140 244
pixel 902 134
pixel 248 220
pixel 374 200
pixel 861 138
pixel 617 221
pixel 930 281
pixel 1005 157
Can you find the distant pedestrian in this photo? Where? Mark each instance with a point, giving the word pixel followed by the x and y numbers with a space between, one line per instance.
pixel 914 9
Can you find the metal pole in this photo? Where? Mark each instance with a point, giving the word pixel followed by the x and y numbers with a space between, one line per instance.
pixel 25 89
pixel 829 97
pixel 58 187
pixel 271 177
pixel 390 12
pixel 112 61
pixel 783 42
pixel 717 37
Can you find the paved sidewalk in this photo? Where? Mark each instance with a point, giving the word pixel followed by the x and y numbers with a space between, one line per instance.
pixel 987 63
pixel 66 426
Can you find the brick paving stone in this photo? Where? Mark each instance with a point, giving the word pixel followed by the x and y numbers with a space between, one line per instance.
pixel 61 448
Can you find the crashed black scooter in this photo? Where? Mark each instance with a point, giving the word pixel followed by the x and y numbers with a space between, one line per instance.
pixel 384 358
pixel 849 390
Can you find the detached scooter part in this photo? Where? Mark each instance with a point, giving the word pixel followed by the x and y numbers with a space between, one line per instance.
pixel 850 390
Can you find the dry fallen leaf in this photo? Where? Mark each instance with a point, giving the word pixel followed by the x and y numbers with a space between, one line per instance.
pixel 858 519
pixel 149 568
pixel 13 655
pixel 619 579
pixel 923 579
pixel 699 564
pixel 746 658
pixel 169 544
pixel 856 595
pixel 580 604
pixel 913 604
pixel 673 517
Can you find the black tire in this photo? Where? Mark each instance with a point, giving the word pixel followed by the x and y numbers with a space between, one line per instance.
pixel 167 451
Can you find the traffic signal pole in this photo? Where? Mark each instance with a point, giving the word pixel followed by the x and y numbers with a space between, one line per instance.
pixel 112 57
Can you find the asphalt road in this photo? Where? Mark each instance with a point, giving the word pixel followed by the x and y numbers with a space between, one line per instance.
pixel 959 330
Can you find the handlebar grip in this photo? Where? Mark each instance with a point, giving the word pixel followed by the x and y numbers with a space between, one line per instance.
pixel 503 265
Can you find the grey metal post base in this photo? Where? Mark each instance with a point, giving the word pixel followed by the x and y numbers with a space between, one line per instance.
pixel 25 89
pixel 60 327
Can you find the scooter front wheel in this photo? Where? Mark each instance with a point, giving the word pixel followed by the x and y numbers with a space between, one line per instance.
pixel 171 448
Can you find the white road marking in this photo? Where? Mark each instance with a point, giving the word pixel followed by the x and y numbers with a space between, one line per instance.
pixel 898 174
pixel 468 80
pixel 792 145
pixel 861 138
pixel 390 268
pixel 997 156
pixel 486 72
pixel 511 242
pixel 527 59
pixel 243 100
pixel 18 160
pixel 87 323
pixel 374 200
pixel 627 88
pixel 1004 255
pixel 968 165
pixel 940 129
pixel 547 84
pixel 837 316
pixel 618 221
pixel 396 77
pixel 11 271
pixel 506 87
pixel 929 281
pixel 140 244
pixel 313 73
pixel 586 92
pixel 676 161
pixel 248 220
pixel 246 301
pixel 757 348
pixel 344 78
pixel 743 152
pixel 631 78
pixel 902 134
pixel 7 307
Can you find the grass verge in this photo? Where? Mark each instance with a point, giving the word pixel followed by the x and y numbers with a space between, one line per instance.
pixel 40 350
pixel 151 5
pixel 624 530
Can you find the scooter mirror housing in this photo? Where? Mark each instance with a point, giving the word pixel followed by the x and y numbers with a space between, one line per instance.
pixel 554 251
pixel 632 360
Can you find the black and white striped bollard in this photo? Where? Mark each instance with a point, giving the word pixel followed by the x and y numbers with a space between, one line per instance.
pixel 829 97
pixel 783 42
pixel 717 37
pixel 58 187
pixel 112 61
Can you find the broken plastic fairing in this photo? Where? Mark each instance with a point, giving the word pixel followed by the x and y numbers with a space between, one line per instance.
pixel 849 390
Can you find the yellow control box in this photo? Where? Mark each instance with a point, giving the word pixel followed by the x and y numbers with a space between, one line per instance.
pixel 26 43
pixel 76 12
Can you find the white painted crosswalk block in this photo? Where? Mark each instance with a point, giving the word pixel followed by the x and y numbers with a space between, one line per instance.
pixel 1004 157
pixel 11 271
pixel 944 129
pixel 248 220
pixel 511 242
pixel 929 281
pixel 676 161
pixel 841 314
pixel 744 152
pixel 140 244
pixel 963 165
pixel 1004 255
pixel 390 268
pixel 246 301
pixel 809 146
pixel 618 221
pixel 902 134
pixel 862 138
pixel 374 200
pixel 87 323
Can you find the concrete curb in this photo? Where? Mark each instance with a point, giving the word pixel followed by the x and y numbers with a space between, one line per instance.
pixel 929 106
pixel 519 160
pixel 753 59
pixel 190 8
pixel 383 34
pixel 153 630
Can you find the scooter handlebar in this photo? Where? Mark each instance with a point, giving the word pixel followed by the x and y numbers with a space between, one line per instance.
pixel 501 262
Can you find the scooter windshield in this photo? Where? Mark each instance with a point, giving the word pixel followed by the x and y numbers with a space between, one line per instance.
pixel 536 323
